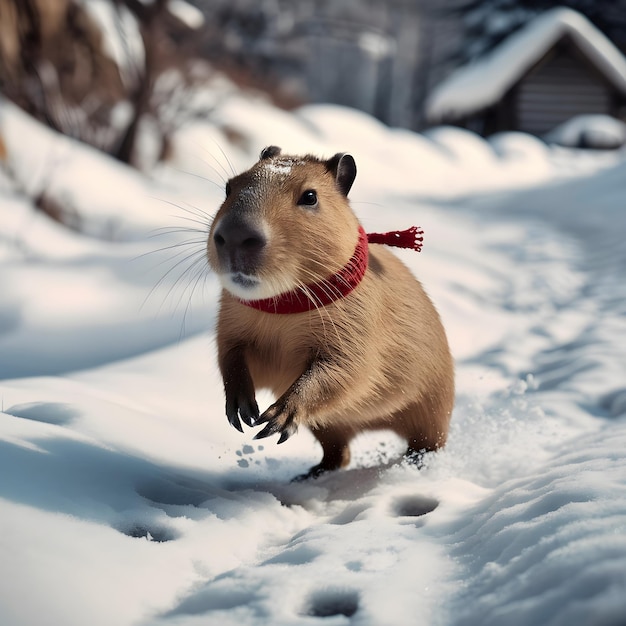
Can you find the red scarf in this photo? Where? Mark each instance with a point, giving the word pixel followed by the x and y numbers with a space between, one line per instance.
pixel 344 281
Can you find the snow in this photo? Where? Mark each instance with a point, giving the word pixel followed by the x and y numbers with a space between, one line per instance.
pixel 188 14
pixel 125 496
pixel 601 132
pixel 121 35
pixel 280 168
pixel 484 81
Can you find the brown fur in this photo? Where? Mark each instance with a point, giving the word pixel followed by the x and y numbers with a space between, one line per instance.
pixel 376 359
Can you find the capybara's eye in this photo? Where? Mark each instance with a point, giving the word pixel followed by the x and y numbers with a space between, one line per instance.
pixel 308 198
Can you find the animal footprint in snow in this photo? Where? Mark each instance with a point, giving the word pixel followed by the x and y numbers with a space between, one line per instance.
pixel 141 531
pixel 57 413
pixel 331 602
pixel 414 506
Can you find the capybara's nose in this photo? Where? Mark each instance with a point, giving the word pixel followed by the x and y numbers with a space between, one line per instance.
pixel 239 242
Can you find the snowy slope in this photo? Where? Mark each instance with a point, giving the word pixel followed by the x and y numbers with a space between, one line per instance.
pixel 125 497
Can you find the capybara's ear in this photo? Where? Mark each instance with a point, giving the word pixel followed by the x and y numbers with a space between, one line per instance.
pixel 269 152
pixel 343 166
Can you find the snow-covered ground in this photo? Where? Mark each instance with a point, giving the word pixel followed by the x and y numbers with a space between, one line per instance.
pixel 125 496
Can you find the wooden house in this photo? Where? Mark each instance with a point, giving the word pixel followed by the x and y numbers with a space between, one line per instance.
pixel 556 67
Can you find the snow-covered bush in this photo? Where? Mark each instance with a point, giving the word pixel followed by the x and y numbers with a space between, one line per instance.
pixel 598 132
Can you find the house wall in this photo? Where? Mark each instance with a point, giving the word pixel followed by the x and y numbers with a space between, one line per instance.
pixel 559 88
pixel 380 56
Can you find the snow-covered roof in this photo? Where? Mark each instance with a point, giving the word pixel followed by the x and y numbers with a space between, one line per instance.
pixel 484 81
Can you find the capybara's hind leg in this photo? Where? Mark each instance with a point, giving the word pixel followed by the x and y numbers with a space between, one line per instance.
pixel 423 432
pixel 334 442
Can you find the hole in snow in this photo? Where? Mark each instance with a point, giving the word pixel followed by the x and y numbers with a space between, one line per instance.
pixel 165 492
pixel 614 403
pixel 331 602
pixel 57 413
pixel 414 506
pixel 139 531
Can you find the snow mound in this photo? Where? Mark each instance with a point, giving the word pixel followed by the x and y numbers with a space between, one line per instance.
pixel 599 132
pixel 542 549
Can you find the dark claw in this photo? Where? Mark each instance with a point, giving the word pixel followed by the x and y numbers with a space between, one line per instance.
pixel 274 425
pixel 262 419
pixel 269 414
pixel 244 408
pixel 233 419
pixel 270 429
pixel 248 420
pixel 289 429
pixel 284 435
pixel 249 413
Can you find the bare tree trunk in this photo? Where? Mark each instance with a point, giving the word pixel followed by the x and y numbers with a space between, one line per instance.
pixel 150 16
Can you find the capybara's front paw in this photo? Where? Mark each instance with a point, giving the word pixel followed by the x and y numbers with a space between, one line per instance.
pixel 241 403
pixel 281 418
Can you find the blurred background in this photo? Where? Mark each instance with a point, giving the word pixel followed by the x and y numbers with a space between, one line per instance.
pixel 124 75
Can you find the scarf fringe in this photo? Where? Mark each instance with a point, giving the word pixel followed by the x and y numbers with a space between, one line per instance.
pixel 411 238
